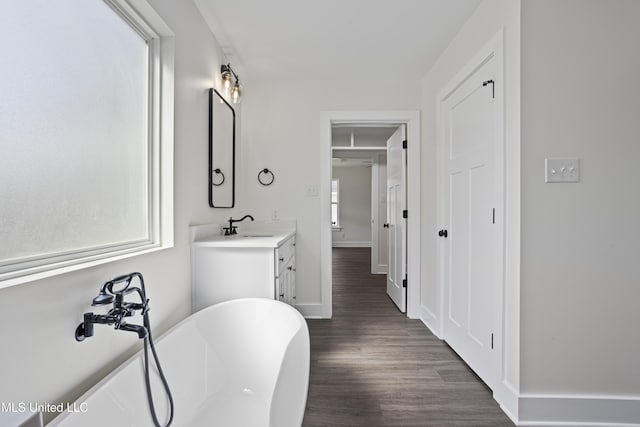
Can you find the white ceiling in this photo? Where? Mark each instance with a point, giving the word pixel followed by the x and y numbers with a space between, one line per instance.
pixel 332 39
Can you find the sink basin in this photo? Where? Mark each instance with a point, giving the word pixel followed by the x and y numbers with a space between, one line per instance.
pixel 257 235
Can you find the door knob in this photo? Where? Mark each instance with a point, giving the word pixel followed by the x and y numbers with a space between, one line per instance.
pixel 443 233
pixel 385 225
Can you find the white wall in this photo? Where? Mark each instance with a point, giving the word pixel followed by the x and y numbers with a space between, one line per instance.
pixel 40 360
pixel 580 277
pixel 571 294
pixel 354 211
pixel 490 17
pixel 281 131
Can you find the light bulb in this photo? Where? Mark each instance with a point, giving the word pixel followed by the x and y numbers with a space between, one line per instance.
pixel 227 77
pixel 226 80
pixel 226 84
pixel 236 93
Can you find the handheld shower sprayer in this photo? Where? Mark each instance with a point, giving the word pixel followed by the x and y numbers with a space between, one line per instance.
pixel 114 292
pixel 102 298
pixel 107 292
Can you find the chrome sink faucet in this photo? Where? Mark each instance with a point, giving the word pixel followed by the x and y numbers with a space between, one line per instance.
pixel 233 229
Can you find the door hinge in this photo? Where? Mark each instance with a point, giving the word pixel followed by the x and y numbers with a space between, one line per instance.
pixel 492 341
pixel 405 214
pixel 404 282
pixel 493 87
pixel 404 144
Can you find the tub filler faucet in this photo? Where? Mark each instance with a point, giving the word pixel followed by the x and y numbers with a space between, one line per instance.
pixel 233 229
pixel 113 292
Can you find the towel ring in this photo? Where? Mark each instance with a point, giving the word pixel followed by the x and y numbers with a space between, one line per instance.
pixel 265 171
pixel 218 172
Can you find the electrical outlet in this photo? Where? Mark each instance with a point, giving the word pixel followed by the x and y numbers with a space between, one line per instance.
pixel 276 214
pixel 562 170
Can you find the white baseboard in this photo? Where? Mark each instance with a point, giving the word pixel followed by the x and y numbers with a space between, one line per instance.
pixel 311 311
pixel 380 269
pixel 528 410
pixel 566 410
pixel 350 244
pixel 507 398
pixel 430 321
pixel 574 411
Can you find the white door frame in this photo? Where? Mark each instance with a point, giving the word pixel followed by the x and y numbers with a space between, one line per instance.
pixel 376 224
pixel 412 119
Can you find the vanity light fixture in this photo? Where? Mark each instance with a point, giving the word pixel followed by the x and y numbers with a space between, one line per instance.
pixel 231 83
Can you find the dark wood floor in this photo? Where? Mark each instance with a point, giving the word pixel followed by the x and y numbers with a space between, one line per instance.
pixel 372 366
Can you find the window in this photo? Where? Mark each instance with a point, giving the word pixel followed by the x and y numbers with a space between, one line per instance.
pixel 335 197
pixel 83 110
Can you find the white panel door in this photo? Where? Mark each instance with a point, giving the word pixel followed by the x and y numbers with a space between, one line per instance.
pixel 472 257
pixel 396 203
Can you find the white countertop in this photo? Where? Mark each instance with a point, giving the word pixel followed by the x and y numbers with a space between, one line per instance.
pixel 259 235
pixel 244 240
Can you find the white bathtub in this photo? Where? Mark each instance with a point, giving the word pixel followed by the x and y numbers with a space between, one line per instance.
pixel 238 363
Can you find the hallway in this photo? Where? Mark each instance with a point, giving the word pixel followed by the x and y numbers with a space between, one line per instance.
pixel 372 366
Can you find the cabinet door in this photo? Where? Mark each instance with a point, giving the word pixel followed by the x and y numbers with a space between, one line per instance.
pixel 288 274
pixel 285 261
pixel 283 254
pixel 287 282
pixel 291 270
pixel 292 282
pixel 280 282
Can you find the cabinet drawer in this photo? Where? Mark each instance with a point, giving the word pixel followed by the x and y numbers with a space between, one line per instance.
pixel 284 253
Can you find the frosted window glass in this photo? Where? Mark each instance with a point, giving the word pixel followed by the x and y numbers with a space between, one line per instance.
pixel 74 148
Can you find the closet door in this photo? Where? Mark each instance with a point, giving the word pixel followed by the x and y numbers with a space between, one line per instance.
pixel 471 238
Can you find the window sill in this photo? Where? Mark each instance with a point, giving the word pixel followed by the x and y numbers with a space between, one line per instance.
pixel 50 270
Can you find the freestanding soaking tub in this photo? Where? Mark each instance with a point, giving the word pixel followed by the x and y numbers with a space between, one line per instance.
pixel 239 363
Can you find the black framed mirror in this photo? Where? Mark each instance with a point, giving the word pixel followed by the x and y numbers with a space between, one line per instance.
pixel 222 152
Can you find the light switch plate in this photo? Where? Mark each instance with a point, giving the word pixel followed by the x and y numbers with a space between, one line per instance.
pixel 311 190
pixel 562 170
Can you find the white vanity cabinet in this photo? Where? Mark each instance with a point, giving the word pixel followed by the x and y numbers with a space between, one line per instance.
pixel 286 271
pixel 258 264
